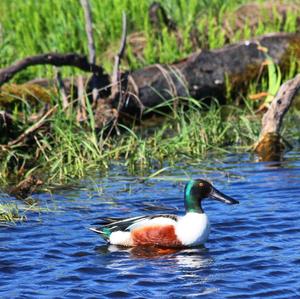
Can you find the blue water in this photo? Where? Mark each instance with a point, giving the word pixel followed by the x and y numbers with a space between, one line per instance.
pixel 253 250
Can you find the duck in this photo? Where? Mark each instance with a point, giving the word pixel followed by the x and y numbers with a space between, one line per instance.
pixel 166 230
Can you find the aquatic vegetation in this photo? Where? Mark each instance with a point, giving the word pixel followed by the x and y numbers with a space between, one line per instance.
pixel 188 133
pixel 10 213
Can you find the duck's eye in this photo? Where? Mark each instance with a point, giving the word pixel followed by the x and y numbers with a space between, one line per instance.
pixel 201 184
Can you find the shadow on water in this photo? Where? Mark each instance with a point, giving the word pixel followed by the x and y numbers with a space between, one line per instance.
pixel 193 257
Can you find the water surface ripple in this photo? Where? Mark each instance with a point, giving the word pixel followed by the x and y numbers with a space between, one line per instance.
pixel 253 250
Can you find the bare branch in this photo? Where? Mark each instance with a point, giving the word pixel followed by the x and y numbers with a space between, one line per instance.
pixel 89 30
pixel 91 44
pixel 57 59
pixel 115 76
pixel 124 35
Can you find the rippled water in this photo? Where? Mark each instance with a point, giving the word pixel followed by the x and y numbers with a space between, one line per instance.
pixel 253 250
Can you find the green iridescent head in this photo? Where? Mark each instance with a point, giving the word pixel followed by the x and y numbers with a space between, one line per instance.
pixel 197 190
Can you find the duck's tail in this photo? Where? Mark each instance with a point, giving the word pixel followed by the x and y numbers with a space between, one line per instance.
pixel 104 232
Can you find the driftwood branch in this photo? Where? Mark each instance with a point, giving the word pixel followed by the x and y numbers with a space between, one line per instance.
pixel 272 119
pixel 270 146
pixel 57 59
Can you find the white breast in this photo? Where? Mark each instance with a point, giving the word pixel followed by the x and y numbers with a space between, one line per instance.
pixel 193 229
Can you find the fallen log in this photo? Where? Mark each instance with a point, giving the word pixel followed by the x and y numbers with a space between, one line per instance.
pixel 206 73
pixel 202 75
pixel 271 146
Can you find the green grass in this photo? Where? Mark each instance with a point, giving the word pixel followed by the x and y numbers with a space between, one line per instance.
pixel 10 213
pixel 30 27
pixel 186 134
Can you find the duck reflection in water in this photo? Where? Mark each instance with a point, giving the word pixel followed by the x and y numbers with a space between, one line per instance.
pixel 197 257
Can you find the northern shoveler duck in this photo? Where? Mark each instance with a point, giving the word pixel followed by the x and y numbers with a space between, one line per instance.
pixel 166 230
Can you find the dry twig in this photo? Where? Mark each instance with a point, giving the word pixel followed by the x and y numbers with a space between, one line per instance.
pixel 31 129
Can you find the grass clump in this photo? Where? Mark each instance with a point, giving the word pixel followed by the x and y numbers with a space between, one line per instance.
pixel 10 213
pixel 187 133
